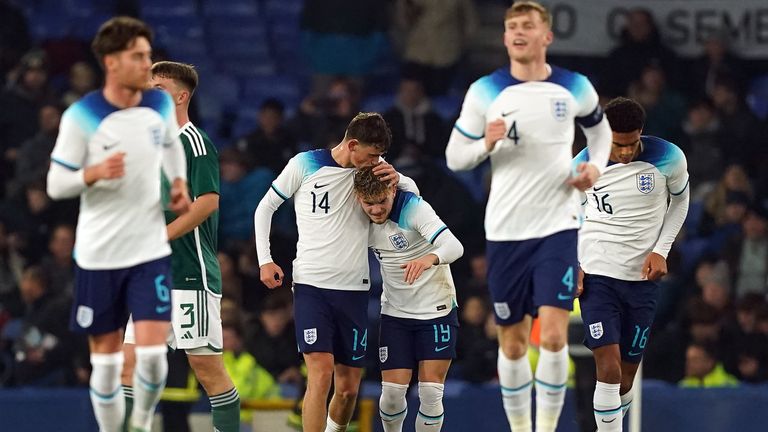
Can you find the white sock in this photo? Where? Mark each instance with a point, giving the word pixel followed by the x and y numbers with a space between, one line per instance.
pixel 148 382
pixel 332 426
pixel 607 405
pixel 515 377
pixel 106 392
pixel 392 406
pixel 551 378
pixel 626 402
pixel 431 412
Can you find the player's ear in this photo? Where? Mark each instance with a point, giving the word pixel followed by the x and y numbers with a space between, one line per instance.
pixel 352 144
pixel 549 38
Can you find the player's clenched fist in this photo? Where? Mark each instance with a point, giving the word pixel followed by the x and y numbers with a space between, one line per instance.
pixel 271 275
pixel 494 131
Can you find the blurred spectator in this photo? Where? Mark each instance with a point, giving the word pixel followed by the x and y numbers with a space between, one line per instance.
pixel 415 124
pixel 752 359
pixel 747 254
pixel 742 129
pixel 640 46
pixel 664 106
pixel 727 204
pixel 474 313
pixel 58 265
pixel 436 33
pixel 25 95
pixel 241 192
pixel 44 347
pixel 82 80
pixel 11 265
pixel 34 154
pixel 251 380
pixel 342 37
pixel 231 283
pixel 703 368
pixel 478 364
pixel 703 143
pixel 272 339
pixel 323 119
pixel 716 63
pixel 270 145
pixel 14 37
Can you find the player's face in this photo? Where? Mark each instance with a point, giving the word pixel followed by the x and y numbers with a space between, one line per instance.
pixel 166 84
pixel 378 208
pixel 131 67
pixel 526 37
pixel 361 155
pixel 626 146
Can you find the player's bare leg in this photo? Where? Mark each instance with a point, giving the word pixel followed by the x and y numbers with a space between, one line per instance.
pixel 225 401
pixel 552 369
pixel 393 406
pixel 346 386
pixel 432 375
pixel 319 375
pixel 150 371
pixel 515 374
pixel 106 392
pixel 606 400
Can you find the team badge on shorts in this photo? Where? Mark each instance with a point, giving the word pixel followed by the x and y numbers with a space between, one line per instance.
pixel 502 310
pixel 84 316
pixel 559 109
pixel 399 241
pixel 310 335
pixel 383 354
pixel 645 182
pixel 596 330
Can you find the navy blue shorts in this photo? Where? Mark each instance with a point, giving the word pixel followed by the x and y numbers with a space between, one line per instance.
pixel 526 274
pixel 332 321
pixel 404 342
pixel 104 298
pixel 618 312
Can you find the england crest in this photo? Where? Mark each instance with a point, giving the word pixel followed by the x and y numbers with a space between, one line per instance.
pixel 383 354
pixel 596 330
pixel 645 182
pixel 84 316
pixel 310 335
pixel 502 310
pixel 399 241
pixel 559 109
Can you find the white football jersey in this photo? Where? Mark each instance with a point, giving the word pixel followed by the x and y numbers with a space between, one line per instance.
pixel 121 222
pixel 333 229
pixel 529 197
pixel 409 233
pixel 624 211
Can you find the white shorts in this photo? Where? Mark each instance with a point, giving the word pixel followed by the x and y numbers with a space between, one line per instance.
pixel 195 323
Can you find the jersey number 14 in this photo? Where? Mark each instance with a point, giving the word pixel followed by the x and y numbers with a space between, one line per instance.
pixel 322 204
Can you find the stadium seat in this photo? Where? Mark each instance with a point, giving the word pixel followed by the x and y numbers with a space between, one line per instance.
pixel 232 8
pixel 228 28
pixel 44 26
pixel 85 27
pixel 447 106
pixel 283 8
pixel 286 89
pixel 378 103
pixel 241 48
pixel 248 68
pixel 757 97
pixel 164 8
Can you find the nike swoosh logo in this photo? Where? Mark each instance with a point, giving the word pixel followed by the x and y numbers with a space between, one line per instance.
pixel 318 186
pixel 109 146
pixel 561 296
pixel 505 114
pixel 162 309
pixel 611 421
pixel 441 348
pixel 190 279
pixel 634 354
pixel 600 188
pixel 354 357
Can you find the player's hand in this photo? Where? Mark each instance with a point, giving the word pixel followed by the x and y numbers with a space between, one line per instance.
pixel 654 267
pixel 415 268
pixel 111 168
pixel 271 275
pixel 494 132
pixel 386 172
pixel 180 201
pixel 586 178
pixel 580 283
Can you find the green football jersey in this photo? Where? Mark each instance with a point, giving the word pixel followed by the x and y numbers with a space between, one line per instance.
pixel 193 262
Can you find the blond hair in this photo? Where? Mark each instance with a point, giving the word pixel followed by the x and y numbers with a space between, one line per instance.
pixel 523 7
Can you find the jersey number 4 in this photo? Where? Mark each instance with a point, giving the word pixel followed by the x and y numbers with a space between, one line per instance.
pixel 512 134
pixel 322 205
